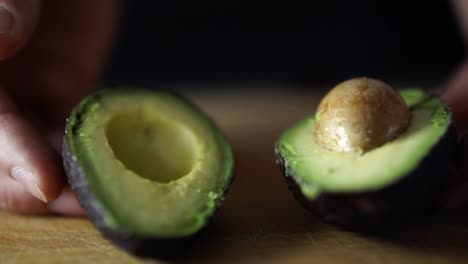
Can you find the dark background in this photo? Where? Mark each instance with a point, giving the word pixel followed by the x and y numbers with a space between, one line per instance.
pixel 321 42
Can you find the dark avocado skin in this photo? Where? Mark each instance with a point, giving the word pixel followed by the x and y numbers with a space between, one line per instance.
pixel 146 247
pixel 417 193
pixel 139 246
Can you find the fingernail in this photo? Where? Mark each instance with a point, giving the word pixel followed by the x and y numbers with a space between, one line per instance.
pixel 6 20
pixel 28 180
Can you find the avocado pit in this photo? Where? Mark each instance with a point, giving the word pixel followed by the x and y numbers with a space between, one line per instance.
pixel 359 115
pixel 401 178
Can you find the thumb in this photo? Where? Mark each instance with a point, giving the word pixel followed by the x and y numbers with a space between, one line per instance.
pixel 18 19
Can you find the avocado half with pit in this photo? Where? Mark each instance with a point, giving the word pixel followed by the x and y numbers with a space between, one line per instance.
pixel 148 167
pixel 370 155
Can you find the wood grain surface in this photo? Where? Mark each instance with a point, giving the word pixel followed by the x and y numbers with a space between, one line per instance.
pixel 259 222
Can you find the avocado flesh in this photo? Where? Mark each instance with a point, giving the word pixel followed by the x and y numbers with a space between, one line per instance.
pixel 155 165
pixel 317 171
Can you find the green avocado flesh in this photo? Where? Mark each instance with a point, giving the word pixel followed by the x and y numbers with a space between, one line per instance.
pixel 156 165
pixel 318 170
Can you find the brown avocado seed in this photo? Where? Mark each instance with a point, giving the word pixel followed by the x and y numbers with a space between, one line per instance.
pixel 360 114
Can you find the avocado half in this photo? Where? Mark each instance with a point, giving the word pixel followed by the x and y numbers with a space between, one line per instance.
pixel 402 178
pixel 148 167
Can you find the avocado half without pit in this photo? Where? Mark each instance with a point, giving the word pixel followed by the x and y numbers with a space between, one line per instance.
pixel 148 167
pixel 370 155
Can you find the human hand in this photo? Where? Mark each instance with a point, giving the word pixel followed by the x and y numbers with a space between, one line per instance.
pixel 456 96
pixel 51 53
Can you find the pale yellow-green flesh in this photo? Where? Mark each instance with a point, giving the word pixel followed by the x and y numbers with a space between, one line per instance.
pixel 152 147
pixel 412 96
pixel 156 166
pixel 318 169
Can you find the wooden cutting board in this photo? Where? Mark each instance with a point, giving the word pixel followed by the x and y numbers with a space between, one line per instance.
pixel 259 222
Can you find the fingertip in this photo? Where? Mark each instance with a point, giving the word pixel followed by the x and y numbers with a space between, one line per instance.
pixel 18 19
pixel 29 181
pixel 66 204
